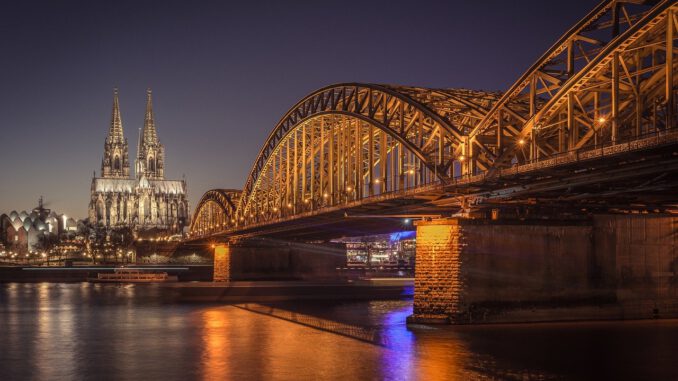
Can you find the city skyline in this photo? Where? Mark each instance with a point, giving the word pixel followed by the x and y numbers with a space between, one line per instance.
pixel 222 78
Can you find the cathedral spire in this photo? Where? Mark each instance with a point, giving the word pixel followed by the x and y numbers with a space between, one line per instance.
pixel 115 163
pixel 115 132
pixel 150 153
pixel 150 135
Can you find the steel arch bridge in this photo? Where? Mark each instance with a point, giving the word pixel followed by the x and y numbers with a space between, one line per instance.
pixel 608 81
pixel 214 211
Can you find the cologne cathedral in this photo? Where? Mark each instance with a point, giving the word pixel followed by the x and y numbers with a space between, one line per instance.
pixel 145 202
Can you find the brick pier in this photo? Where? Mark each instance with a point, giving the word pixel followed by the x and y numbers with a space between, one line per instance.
pixel 222 263
pixel 599 267
pixel 438 281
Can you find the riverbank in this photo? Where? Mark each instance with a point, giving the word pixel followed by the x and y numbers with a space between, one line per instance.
pixel 33 274
pixel 262 291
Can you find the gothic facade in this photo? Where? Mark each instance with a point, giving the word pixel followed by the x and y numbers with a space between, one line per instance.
pixel 146 201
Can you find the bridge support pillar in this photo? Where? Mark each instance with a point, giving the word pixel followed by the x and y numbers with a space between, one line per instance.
pixel 438 281
pixel 591 267
pixel 222 263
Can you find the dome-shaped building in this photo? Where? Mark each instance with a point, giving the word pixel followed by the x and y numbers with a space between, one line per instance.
pixel 23 231
pixel 27 223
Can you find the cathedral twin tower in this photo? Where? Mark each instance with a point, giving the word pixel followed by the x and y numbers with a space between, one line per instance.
pixel 147 201
pixel 150 153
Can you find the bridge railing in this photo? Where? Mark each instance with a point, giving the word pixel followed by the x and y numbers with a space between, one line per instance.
pixel 639 142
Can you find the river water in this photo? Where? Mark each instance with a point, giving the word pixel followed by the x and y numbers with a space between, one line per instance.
pixel 82 331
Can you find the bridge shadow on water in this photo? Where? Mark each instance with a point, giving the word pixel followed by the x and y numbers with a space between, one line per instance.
pixel 365 334
pixel 547 351
pixel 415 352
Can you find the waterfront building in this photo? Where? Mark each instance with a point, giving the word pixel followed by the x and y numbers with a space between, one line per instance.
pixel 395 249
pixel 146 202
pixel 26 232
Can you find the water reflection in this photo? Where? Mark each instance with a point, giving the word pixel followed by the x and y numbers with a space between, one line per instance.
pixel 215 338
pixel 83 331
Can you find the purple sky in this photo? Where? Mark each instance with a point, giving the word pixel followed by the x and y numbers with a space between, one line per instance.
pixel 224 72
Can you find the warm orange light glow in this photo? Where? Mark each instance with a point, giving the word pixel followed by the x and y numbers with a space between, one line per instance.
pixel 348 189
pixel 377 181
pixel 411 171
pixel 221 263
pixel 462 158
pixel 521 141
pixel 289 205
pixel 325 195
pixel 602 119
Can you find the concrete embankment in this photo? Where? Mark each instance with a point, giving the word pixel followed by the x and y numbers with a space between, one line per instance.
pixel 81 273
pixel 261 291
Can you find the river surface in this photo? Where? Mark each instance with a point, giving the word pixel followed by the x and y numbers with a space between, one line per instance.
pixel 82 331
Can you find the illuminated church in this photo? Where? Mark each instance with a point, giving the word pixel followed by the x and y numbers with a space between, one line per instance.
pixel 146 201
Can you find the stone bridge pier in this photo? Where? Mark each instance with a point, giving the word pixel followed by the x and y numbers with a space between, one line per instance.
pixel 265 259
pixel 604 267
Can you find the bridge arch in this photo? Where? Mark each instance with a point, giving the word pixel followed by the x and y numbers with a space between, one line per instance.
pixel 350 141
pixel 543 115
pixel 215 211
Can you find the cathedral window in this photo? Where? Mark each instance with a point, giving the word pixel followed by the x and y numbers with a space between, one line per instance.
pixel 151 163
pixel 116 163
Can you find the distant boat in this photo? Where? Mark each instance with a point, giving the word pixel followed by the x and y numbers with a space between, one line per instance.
pixel 128 275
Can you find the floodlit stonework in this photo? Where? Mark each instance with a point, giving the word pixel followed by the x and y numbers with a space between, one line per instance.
pixel 144 202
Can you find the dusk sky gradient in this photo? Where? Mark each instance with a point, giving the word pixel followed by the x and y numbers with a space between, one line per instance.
pixel 223 73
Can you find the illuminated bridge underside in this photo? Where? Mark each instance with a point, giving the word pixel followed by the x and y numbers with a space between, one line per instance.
pixel 591 122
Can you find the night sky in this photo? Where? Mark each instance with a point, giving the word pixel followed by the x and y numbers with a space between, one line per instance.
pixel 223 73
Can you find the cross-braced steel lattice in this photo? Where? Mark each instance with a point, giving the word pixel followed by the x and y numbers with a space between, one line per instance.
pixel 214 211
pixel 609 80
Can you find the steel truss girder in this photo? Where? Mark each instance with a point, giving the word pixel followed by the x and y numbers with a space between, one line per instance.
pixel 426 123
pixel 609 79
pixel 510 127
pixel 215 211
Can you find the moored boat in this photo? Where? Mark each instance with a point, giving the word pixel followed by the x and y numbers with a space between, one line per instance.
pixel 132 275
